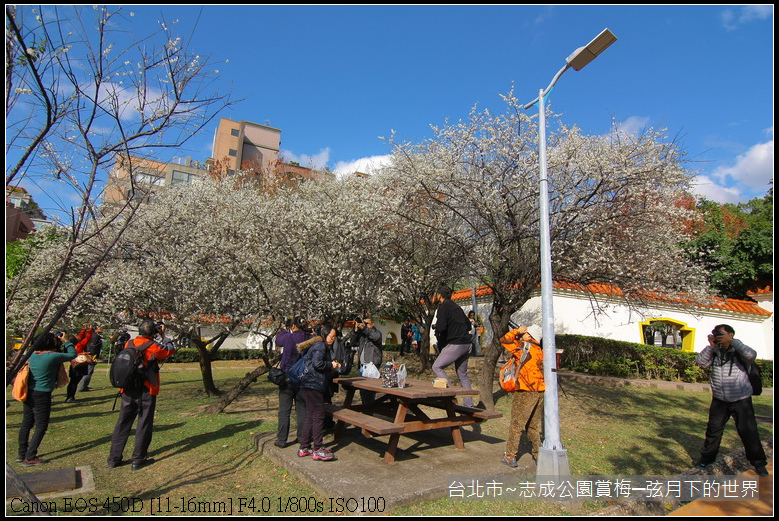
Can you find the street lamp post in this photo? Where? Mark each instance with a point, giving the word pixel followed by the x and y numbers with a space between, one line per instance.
pixel 552 457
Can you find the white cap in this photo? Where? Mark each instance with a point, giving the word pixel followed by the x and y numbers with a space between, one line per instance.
pixel 535 331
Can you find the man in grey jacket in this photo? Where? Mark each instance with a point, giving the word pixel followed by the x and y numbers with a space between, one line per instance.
pixel 732 396
pixel 368 339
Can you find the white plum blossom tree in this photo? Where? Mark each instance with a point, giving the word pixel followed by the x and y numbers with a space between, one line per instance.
pixel 614 209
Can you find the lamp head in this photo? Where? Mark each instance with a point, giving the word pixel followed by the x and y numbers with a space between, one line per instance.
pixel 584 55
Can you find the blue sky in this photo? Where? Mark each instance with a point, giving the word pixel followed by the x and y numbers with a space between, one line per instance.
pixel 336 78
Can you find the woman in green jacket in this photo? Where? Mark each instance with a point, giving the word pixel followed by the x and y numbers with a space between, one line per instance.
pixel 44 367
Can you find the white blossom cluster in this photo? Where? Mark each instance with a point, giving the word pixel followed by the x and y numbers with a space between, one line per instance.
pixel 462 205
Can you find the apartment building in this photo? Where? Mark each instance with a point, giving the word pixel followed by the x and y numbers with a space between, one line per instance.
pixel 242 146
pixel 22 214
pixel 245 145
pixel 148 174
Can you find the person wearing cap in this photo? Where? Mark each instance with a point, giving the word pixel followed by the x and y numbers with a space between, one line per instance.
pixel 731 392
pixel 527 406
pixel 287 339
pixel 453 334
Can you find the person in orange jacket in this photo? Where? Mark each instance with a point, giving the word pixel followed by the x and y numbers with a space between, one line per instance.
pixel 77 372
pixel 141 401
pixel 527 405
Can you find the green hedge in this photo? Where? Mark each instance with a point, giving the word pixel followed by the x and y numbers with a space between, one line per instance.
pixel 604 357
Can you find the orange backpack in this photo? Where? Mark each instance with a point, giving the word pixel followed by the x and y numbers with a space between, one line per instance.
pixel 20 383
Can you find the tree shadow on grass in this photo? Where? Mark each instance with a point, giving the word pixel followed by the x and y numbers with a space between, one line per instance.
pixel 198 440
pixel 200 471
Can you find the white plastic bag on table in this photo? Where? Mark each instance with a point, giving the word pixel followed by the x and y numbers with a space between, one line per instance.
pixel 369 370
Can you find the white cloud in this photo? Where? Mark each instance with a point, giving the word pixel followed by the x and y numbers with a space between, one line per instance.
pixel 747 178
pixel 754 169
pixel 704 186
pixel 633 126
pixel 732 20
pixel 366 165
pixel 317 161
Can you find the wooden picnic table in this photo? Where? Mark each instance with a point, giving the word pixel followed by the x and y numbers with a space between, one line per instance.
pixel 402 407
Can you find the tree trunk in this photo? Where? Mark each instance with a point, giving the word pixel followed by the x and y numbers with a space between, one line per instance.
pixel 499 320
pixel 206 371
pixel 205 358
pixel 246 381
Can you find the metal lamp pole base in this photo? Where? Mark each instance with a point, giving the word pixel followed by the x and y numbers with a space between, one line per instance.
pixel 552 463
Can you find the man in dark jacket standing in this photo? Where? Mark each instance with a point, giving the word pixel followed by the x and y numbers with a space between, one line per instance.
pixel 453 334
pixel 732 396
pixel 288 338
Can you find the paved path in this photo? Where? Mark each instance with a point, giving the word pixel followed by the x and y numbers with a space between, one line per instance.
pixel 763 507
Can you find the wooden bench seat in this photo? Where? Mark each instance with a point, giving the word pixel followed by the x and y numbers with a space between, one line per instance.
pixel 480 414
pixel 367 423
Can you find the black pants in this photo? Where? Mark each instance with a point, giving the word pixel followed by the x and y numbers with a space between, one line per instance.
pixel 313 426
pixel 87 378
pixel 75 377
pixel 37 411
pixel 744 415
pixel 135 403
pixel 287 397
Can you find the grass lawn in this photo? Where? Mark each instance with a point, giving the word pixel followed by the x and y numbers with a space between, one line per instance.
pixel 207 459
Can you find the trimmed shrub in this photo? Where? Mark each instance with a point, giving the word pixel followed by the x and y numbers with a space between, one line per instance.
pixel 605 357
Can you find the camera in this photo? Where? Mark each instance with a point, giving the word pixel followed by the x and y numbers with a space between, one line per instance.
pixel 57 333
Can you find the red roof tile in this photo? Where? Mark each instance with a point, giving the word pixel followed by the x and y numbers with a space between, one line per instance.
pixel 733 305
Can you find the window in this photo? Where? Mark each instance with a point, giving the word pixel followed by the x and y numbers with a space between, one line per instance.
pixel 235 132
pixel 182 177
pixel 233 153
pixel 149 179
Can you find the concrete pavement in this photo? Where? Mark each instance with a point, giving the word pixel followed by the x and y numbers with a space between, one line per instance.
pixel 425 459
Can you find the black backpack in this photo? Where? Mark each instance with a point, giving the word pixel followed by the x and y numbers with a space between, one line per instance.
pixel 755 378
pixel 127 370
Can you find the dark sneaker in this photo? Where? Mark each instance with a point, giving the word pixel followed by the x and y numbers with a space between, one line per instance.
pixel 114 464
pixel 19 459
pixel 761 471
pixel 279 444
pixel 302 453
pixel 324 455
pixel 34 462
pixel 701 465
pixel 138 465
pixel 70 400
pixel 511 462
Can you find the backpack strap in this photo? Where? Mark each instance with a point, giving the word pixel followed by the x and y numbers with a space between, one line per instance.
pixel 144 347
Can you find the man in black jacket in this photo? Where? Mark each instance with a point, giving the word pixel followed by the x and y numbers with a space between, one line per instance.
pixel 453 334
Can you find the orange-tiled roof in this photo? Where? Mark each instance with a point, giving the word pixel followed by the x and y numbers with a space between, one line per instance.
pixel 732 305
pixel 761 291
